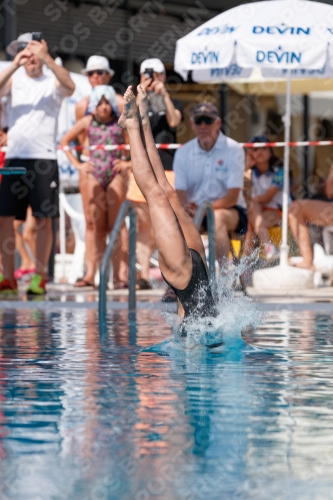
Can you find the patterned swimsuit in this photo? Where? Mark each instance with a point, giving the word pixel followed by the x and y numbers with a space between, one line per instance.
pixel 103 161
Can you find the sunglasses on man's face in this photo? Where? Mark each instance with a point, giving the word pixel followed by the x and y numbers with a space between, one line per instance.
pixel 203 119
pixel 100 72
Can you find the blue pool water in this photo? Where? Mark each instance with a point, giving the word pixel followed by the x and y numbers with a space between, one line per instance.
pixel 141 417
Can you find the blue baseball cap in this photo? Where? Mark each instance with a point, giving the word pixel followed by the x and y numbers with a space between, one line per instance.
pixel 259 138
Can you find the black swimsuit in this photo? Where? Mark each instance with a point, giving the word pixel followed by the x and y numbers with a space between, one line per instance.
pixel 196 299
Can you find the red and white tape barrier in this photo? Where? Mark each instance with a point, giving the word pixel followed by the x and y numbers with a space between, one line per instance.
pixel 282 144
pixel 107 147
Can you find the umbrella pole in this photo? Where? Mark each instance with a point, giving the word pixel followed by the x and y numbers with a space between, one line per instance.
pixel 287 120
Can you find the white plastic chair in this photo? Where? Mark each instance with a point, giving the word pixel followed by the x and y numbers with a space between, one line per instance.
pixel 328 239
pixel 322 262
pixel 71 204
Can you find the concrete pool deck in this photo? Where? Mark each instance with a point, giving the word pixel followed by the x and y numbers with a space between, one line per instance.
pixel 63 296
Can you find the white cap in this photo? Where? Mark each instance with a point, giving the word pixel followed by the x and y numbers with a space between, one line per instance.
pixel 155 64
pixel 14 45
pixel 96 63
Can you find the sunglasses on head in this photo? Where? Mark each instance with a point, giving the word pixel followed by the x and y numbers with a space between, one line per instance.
pixel 100 72
pixel 198 120
pixel 22 46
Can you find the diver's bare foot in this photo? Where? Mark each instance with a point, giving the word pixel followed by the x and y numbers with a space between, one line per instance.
pixel 130 115
pixel 305 265
pixel 142 102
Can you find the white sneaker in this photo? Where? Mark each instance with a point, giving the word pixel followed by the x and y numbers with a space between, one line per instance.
pixel 272 253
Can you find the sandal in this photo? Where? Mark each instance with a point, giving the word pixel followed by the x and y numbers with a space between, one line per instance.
pixel 169 296
pixel 143 284
pixel 19 273
pixel 81 283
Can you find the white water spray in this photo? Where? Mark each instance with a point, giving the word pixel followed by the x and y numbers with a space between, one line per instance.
pixel 236 311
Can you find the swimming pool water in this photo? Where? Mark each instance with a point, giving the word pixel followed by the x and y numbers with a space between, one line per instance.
pixel 81 419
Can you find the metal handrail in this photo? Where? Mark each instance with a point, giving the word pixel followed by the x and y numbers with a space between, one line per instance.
pixel 206 208
pixel 127 208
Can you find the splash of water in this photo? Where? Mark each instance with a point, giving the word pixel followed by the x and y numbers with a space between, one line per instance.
pixel 236 312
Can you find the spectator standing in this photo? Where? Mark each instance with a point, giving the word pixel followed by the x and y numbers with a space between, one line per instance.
pixel 106 179
pixel 98 72
pixel 211 168
pixel 165 114
pixel 28 235
pixel 35 101
pixel 265 207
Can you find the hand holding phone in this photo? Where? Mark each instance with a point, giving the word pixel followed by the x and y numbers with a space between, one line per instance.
pixel 38 46
pixel 37 35
pixel 149 72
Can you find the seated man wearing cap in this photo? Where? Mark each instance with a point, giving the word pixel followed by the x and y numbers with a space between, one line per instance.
pixel 98 72
pixel 165 114
pixel 211 168
pixel 35 101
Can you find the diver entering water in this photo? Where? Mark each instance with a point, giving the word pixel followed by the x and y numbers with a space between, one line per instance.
pixel 181 253
pixel 196 298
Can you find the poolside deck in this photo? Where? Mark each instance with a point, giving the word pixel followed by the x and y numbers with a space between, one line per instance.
pixel 61 296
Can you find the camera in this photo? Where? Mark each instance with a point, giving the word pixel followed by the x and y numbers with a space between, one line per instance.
pixel 149 72
pixel 37 35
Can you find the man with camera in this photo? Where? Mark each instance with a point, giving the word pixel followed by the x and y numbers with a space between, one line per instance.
pixel 35 101
pixel 165 115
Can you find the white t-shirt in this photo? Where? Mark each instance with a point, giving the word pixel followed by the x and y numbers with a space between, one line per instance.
pixel 209 176
pixel 262 182
pixel 33 117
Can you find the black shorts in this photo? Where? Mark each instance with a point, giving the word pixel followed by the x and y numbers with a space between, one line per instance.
pixel 39 188
pixel 241 229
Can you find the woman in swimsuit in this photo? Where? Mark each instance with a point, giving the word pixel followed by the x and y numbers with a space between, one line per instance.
pixel 181 253
pixel 106 180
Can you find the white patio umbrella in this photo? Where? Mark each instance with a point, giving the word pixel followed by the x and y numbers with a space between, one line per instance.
pixel 284 38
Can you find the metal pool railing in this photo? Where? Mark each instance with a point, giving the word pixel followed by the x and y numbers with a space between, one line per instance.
pixel 127 209
pixel 207 209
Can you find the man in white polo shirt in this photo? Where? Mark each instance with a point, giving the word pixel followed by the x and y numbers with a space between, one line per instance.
pixel 211 168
